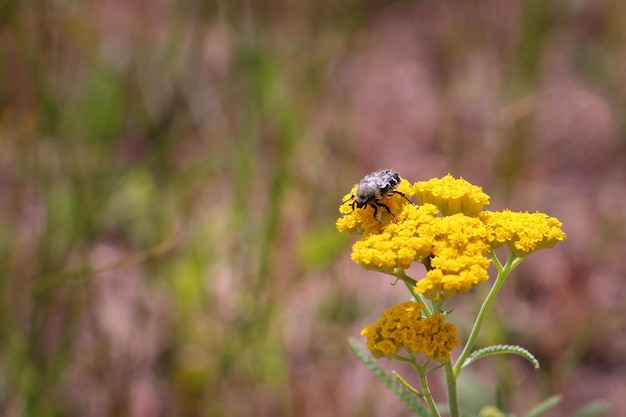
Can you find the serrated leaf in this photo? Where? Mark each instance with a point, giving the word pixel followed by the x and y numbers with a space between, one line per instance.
pixel 499 350
pixel 544 406
pixel 593 409
pixel 389 381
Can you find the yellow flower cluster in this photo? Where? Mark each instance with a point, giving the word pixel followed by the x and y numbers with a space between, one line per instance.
pixel 400 243
pixel 403 327
pixel 448 232
pixel 522 232
pixel 451 195
pixel 458 258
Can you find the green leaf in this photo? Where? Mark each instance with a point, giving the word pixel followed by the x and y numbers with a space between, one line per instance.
pixel 391 383
pixel 544 406
pixel 499 350
pixel 593 409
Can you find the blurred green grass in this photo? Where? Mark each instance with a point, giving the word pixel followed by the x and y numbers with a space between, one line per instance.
pixel 106 153
pixel 170 175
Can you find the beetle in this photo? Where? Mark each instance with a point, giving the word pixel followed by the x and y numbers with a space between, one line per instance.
pixel 375 187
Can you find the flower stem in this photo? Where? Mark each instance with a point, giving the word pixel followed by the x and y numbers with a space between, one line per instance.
pixel 409 386
pixel 410 285
pixel 503 272
pixel 427 395
pixel 453 402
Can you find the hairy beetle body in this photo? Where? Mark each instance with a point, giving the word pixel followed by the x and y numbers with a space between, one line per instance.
pixel 375 187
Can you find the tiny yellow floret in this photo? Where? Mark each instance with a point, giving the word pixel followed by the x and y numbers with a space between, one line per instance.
pixel 403 327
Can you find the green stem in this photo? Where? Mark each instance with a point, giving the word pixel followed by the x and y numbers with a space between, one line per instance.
pixel 453 401
pixel 408 386
pixel 401 275
pixel 410 285
pixel 427 395
pixel 503 272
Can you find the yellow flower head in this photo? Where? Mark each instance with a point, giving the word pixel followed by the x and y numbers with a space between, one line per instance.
pixel 403 327
pixel 447 232
pixel 362 221
pixel 451 195
pixel 522 232
pixel 400 243
pixel 458 258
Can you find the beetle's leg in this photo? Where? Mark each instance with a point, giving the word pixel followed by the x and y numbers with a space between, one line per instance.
pixel 348 199
pixel 402 194
pixel 385 207
pixel 375 211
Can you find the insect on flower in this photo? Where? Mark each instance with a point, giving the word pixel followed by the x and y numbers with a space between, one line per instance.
pixel 375 187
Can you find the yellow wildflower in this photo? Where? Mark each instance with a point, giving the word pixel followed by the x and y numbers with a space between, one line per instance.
pixel 403 327
pixel 458 258
pixel 440 285
pixel 453 247
pixel 448 233
pixel 522 232
pixel 410 238
pixel 451 195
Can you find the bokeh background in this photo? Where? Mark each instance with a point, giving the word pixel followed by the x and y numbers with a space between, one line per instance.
pixel 170 173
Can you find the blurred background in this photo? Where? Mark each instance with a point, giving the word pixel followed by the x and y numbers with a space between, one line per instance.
pixel 170 173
